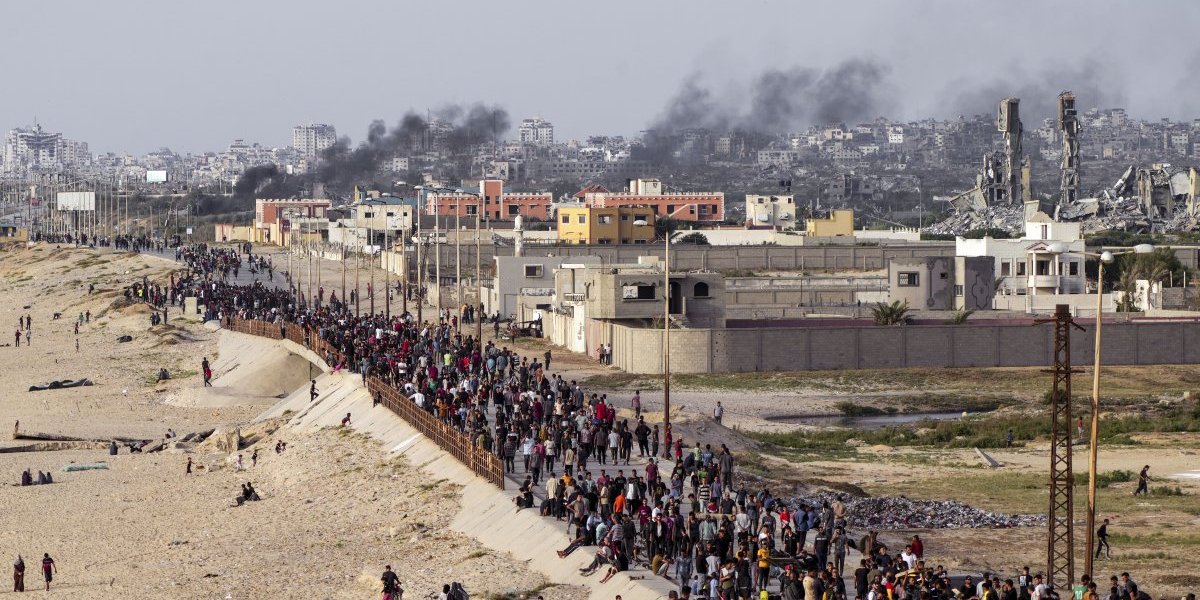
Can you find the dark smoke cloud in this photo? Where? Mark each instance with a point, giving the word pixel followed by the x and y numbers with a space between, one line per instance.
pixel 782 100
pixel 253 180
pixel 343 165
pixel 1095 84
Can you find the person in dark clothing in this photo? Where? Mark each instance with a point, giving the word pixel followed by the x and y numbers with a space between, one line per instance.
pixel 391 584
pixel 1102 541
pixel 1143 486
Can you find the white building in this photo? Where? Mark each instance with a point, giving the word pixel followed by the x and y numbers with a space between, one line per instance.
pixel 1030 266
pixel 537 131
pixel 777 158
pixel 309 140
pixel 770 211
pixel 34 148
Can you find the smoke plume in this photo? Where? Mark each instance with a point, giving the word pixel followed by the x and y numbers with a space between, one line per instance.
pixel 454 128
pixel 782 100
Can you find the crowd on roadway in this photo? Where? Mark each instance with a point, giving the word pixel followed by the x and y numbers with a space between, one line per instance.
pixel 629 491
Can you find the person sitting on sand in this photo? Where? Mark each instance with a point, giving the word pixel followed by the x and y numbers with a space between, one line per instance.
pixel 26 478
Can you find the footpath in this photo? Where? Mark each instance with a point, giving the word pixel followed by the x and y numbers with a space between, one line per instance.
pixel 487 514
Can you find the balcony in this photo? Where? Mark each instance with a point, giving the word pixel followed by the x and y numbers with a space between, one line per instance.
pixel 1043 281
pixel 574 297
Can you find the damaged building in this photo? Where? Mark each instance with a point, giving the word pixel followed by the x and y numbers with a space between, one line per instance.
pixel 1158 198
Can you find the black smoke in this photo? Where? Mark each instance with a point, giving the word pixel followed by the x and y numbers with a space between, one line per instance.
pixel 458 129
pixel 783 100
pixel 254 180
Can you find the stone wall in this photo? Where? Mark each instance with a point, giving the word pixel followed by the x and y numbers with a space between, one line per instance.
pixel 871 347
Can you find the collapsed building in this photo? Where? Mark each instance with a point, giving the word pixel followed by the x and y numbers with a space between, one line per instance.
pixel 1158 198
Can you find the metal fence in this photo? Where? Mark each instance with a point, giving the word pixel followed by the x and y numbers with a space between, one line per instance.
pixel 482 462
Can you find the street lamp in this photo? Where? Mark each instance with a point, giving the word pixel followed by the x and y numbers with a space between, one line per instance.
pixel 1103 258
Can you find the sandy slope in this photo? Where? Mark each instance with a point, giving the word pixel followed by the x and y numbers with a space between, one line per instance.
pixel 335 508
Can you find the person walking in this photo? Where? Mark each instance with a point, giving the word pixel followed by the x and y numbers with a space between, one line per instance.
pixel 49 569
pixel 718 412
pixel 1143 486
pixel 312 391
pixel 19 574
pixel 207 371
pixel 1102 540
pixel 189 466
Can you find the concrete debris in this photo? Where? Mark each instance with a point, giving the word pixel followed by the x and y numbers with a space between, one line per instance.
pixel 898 512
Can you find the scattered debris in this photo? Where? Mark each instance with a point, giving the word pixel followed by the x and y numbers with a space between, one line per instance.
pixel 898 512
pixel 58 385
pixel 95 467
pixel 125 338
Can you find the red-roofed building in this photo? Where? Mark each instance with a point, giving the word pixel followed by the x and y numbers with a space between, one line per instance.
pixel 701 207
pixel 498 204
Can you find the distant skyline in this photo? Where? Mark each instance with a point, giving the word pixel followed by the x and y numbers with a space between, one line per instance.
pixel 135 75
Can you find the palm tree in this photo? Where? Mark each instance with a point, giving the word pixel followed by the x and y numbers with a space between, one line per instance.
pixel 960 316
pixel 1127 285
pixel 895 313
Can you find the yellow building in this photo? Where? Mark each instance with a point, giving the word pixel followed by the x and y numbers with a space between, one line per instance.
pixel 839 223
pixel 609 225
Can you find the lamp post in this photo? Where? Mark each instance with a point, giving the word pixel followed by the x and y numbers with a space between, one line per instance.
pixel 478 265
pixel 1103 258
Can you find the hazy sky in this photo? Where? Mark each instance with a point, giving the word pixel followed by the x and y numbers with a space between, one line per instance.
pixel 134 75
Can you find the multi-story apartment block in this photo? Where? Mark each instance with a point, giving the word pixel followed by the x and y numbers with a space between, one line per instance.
pixel 36 149
pixel 309 140
pixel 536 131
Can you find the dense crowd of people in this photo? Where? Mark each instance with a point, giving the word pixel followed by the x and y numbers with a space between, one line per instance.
pixel 630 491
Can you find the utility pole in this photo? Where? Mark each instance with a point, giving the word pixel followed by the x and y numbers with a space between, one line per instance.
pixel 1060 547
pixel 667 329
pixel 437 247
pixel 458 298
pixel 478 278
pixel 387 268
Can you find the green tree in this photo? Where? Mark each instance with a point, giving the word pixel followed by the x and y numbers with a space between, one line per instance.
pixel 694 237
pixel 895 313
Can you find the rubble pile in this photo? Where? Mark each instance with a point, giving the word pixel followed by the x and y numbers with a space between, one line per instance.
pixel 898 512
pixel 1007 217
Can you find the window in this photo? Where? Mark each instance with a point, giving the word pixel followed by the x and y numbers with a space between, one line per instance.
pixel 533 270
pixel 566 218
pixel 943 275
pixel 605 219
pixel 582 219
pixel 513 209
pixel 1005 268
pixel 1045 232
pixel 472 210
pixel 1021 268
pixel 1073 268
pixel 958 290
pixel 701 290
pixel 637 291
pixel 624 217
pixel 604 241
pixel 1043 267
pixel 908 279
pixel 670 209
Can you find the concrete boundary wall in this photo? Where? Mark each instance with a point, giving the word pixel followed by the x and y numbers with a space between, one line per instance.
pixel 638 350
